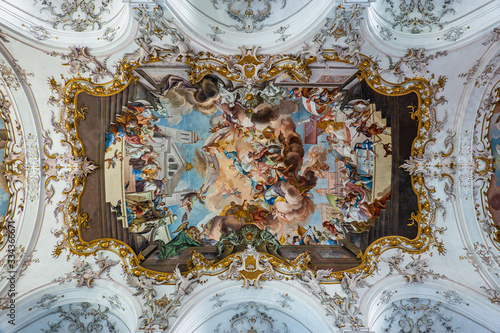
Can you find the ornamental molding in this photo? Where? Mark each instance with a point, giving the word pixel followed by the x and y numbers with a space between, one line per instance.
pixel 414 271
pixel 251 267
pixel 84 274
pixel 247 70
pixel 415 16
pixel 84 316
pixel 249 16
pixel 253 317
pixel 249 67
pixel 157 312
pixel 78 15
pixel 80 62
pixel 418 315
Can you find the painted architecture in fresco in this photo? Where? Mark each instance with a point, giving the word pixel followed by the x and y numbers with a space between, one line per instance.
pixel 186 166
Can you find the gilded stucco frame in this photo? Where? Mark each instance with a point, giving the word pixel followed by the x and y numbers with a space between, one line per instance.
pixel 15 168
pixel 204 63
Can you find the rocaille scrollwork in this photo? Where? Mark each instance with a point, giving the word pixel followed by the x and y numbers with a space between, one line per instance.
pixel 247 69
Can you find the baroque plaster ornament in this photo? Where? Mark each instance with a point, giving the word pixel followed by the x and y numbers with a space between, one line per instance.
pixel 251 317
pixel 109 34
pixel 9 78
pixel 81 317
pixel 415 60
pixel 251 267
pixel 351 281
pixel 157 312
pixel 46 301
pixel 491 70
pixel 247 16
pixel 417 16
pixel 8 265
pixel 414 271
pixel 385 297
pixel 314 49
pixel 79 15
pixel 343 309
pixel 38 31
pixel 454 34
pixel 482 254
pixel 418 315
pixel 284 300
pixel 114 302
pixel 311 282
pixel 345 23
pixel 352 51
pixel 493 37
pixel 3 37
pixel 15 162
pixel 80 62
pixel 281 31
pixel 248 68
pixel 216 31
pixel 143 285
pixel 218 301
pixel 85 274
pixel 63 167
pixel 33 171
pixel 493 294
pixel 154 23
pixel 184 285
pixel 452 297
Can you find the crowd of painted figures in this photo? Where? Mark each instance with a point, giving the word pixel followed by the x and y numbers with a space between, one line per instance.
pixel 137 126
pixel 256 168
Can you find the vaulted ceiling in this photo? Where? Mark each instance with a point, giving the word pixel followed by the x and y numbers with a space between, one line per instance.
pixel 444 279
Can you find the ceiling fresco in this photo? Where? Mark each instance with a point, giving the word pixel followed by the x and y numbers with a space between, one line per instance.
pixel 248 166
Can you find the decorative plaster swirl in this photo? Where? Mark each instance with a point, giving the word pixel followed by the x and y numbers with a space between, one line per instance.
pixel 418 315
pixel 248 16
pixel 416 15
pixel 79 61
pixel 414 271
pixel 79 15
pixel 38 31
pixel 85 274
pixel 251 317
pixel 83 317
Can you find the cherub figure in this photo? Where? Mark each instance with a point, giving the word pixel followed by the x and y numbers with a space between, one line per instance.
pixel 311 282
pixel 184 285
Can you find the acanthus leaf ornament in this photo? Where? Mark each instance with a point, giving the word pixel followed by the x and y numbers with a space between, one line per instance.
pixel 414 15
pixel 251 267
pixel 419 315
pixel 79 15
pixel 248 68
pixel 79 60
pixel 248 15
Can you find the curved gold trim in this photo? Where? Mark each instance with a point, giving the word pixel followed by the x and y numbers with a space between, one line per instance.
pixel 205 63
pixel 14 167
pixel 484 204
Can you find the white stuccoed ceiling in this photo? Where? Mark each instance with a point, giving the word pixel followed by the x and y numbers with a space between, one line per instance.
pixel 470 264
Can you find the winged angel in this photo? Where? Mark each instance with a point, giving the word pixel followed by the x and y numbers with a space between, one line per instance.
pixel 143 285
pixel 184 285
pixel 311 282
